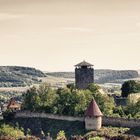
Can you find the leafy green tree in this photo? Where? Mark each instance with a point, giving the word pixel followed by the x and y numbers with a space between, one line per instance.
pixel 83 97
pixel 129 87
pixel 48 97
pixel 71 86
pixel 94 88
pixel 7 130
pixel 61 135
pixel 133 109
pixel 31 99
pixel 66 102
pixel 105 102
pixel 120 111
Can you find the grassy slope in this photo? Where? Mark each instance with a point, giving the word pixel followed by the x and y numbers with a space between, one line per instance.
pixel 18 76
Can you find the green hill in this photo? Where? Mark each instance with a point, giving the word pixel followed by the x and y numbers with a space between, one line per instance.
pixel 103 75
pixel 13 76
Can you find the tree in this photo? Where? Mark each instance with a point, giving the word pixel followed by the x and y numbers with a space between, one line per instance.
pixel 105 102
pixel 31 99
pixel 133 108
pixel 94 88
pixel 83 97
pixel 48 97
pixel 71 86
pixel 66 102
pixel 129 87
pixel 7 130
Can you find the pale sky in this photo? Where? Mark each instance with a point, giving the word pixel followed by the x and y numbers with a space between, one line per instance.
pixel 54 35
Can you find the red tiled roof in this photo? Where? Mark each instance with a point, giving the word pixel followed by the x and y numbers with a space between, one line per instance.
pixel 13 104
pixel 93 110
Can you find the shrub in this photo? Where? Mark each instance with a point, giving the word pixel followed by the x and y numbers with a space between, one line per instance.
pixel 7 130
pixel 96 138
pixel 130 87
pixel 61 135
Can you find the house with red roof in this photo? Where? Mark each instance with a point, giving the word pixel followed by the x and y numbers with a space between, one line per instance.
pixel 13 105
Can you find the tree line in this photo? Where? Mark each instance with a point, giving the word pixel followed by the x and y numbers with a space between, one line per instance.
pixel 74 102
pixel 66 101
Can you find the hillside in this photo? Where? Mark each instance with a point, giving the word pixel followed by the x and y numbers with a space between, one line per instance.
pixel 103 76
pixel 13 76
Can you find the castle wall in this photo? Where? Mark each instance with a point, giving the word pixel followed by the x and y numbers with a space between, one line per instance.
pixel 121 122
pixel 106 121
pixel 28 114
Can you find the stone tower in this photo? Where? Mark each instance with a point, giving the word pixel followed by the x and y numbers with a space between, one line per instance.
pixel 84 75
pixel 93 117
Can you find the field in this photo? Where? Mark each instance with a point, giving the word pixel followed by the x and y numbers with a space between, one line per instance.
pixel 57 81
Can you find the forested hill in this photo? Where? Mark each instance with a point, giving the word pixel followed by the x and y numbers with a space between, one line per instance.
pixel 19 76
pixel 13 76
pixel 103 75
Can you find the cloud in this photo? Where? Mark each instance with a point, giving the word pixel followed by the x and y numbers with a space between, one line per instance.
pixel 77 29
pixel 7 16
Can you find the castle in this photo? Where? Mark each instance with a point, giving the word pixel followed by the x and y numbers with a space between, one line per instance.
pixel 84 75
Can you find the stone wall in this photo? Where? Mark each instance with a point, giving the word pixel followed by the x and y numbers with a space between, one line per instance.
pixel 28 114
pixel 121 122
pixel 106 121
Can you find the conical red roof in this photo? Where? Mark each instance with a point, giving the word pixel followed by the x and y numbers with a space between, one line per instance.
pixel 93 110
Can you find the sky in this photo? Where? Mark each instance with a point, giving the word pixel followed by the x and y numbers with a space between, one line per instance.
pixel 54 35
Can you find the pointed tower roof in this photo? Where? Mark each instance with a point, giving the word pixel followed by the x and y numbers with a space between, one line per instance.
pixel 93 110
pixel 83 63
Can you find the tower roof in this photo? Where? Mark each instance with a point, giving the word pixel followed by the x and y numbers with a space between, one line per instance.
pixel 83 63
pixel 93 110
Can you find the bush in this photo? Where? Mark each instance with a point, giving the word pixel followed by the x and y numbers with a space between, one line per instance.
pixel 61 136
pixel 129 87
pixel 7 130
pixel 96 138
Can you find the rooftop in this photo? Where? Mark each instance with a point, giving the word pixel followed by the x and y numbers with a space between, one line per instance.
pixel 13 104
pixel 83 63
pixel 93 110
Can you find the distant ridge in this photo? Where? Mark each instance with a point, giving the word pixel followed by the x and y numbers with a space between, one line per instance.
pixel 13 76
pixel 16 76
pixel 103 75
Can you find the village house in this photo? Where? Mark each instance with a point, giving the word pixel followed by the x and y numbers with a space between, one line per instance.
pixel 13 105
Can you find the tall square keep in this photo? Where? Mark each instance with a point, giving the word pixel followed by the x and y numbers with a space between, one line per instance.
pixel 84 75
